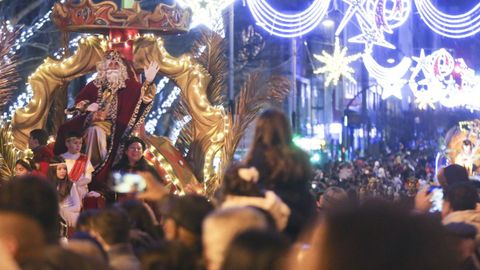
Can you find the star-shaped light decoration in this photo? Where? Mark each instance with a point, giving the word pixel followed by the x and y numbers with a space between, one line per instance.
pixel 422 65
pixel 370 36
pixel 355 6
pixel 207 12
pixel 425 99
pixel 336 64
pixel 392 88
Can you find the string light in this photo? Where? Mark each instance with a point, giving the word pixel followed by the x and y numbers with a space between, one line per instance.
pixel 154 116
pixel 288 25
pixel 26 34
pixel 21 102
pixel 451 26
pixel 178 126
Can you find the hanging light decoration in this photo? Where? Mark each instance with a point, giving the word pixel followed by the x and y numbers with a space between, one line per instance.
pixel 451 26
pixel 288 25
pixel 389 78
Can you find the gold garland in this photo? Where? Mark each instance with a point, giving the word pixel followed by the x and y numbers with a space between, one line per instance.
pixel 9 154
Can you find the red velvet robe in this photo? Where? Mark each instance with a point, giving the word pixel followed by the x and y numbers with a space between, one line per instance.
pixel 131 112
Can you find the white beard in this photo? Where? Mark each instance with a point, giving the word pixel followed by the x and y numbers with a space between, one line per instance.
pixel 113 77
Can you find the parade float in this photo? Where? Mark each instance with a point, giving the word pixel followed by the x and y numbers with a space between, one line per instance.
pixel 214 130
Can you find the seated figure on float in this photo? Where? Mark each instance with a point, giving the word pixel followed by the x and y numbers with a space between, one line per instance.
pixel 108 110
pixel 468 156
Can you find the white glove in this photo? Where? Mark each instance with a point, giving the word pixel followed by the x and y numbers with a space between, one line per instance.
pixel 92 107
pixel 93 194
pixel 151 71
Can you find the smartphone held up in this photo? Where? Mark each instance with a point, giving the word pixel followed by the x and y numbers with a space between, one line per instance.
pixel 128 183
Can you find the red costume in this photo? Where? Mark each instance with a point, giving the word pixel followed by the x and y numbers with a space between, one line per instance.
pixel 79 168
pixel 41 156
pixel 130 113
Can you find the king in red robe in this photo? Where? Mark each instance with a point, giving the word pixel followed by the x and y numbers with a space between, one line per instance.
pixel 108 110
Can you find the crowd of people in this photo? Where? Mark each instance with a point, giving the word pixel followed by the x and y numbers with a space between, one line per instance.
pixel 389 175
pixel 264 215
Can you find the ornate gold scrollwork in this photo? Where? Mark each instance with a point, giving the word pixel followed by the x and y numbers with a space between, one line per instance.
pixel 210 123
pixel 49 78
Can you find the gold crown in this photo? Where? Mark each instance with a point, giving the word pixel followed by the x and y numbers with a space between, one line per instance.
pixel 113 55
pixel 87 16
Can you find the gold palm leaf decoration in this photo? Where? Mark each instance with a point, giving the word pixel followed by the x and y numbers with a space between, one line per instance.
pixel 212 56
pixel 254 94
pixel 8 73
pixel 209 51
pixel 9 154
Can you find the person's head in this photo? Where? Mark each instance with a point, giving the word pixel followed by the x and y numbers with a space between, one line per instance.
pixel 333 198
pixel 56 257
pixel 110 226
pixel 141 217
pixel 58 174
pixel 451 174
pixel 241 180
pixel 459 197
pixel 84 221
pixel 24 166
pixel 57 169
pixel 168 255
pixel 20 234
pixel 134 148
pixel 272 129
pixel 111 71
pixel 272 152
pixel 378 236
pixel 35 198
pixel 182 218
pixel 256 249
pixel 222 226
pixel 467 146
pixel 38 137
pixel 73 142
pixel 462 236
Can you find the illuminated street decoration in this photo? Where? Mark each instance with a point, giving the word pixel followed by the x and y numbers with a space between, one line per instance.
pixel 355 7
pixel 392 88
pixel 375 18
pixel 336 64
pixel 389 78
pixel 424 100
pixel 452 26
pixel 441 78
pixel 370 36
pixel 285 24
pixel 207 12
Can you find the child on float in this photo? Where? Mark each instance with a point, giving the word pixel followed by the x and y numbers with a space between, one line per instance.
pixel 68 196
pixel 24 166
pixel 42 154
pixel 79 168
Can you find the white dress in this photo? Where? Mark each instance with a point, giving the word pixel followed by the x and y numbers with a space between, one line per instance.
pixel 85 179
pixel 70 207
